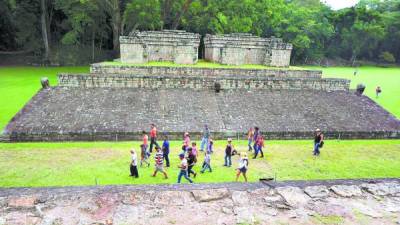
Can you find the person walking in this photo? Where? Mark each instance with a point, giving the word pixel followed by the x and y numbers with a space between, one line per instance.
pixel 133 164
pixel 186 141
pixel 318 141
pixel 159 163
pixel 210 146
pixel 144 155
pixel 378 91
pixel 207 162
pixel 206 136
pixel 194 149
pixel 255 136
pixel 250 136
pixel 243 165
pixel 153 137
pixel 259 146
pixel 228 153
pixel 165 149
pixel 191 160
pixel 183 166
pixel 145 140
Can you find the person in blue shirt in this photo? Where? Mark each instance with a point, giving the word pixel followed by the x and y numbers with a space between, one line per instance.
pixel 165 148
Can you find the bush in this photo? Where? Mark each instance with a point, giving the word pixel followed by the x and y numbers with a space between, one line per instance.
pixel 387 57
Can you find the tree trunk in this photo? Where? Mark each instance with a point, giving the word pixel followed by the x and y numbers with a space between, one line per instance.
pixel 179 15
pixel 44 27
pixel 116 24
pixel 93 46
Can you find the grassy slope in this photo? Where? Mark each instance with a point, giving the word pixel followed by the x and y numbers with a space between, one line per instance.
pixel 56 164
pixel 19 84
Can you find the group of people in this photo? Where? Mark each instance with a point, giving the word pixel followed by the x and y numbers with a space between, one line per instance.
pixel 189 154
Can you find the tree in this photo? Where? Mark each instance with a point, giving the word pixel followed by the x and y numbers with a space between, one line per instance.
pixel 143 15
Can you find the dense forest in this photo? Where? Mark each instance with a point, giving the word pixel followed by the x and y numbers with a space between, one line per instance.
pixel 83 31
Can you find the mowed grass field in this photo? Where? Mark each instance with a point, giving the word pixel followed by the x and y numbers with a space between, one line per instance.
pixel 59 164
pixel 103 163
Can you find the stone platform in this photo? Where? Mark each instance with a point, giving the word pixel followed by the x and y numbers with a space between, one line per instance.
pixel 373 201
pixel 70 113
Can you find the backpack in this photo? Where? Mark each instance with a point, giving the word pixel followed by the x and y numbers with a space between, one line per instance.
pixel 321 144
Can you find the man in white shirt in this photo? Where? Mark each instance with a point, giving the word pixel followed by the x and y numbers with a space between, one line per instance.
pixel 184 169
pixel 133 166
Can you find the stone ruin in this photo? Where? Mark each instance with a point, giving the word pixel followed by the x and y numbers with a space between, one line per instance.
pixel 168 45
pixel 117 102
pixel 238 49
pixel 297 202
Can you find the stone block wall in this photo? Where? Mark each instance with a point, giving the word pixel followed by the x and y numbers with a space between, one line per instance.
pixel 99 68
pixel 237 49
pixel 201 83
pixel 168 45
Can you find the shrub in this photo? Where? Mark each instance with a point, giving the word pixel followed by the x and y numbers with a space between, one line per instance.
pixel 387 57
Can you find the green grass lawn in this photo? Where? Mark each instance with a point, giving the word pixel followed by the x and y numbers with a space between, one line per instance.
pixel 387 78
pixel 19 84
pixel 60 164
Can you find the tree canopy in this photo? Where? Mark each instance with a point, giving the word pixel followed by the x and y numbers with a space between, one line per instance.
pixel 368 31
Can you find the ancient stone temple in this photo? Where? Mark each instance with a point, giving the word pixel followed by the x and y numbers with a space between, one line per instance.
pixel 239 48
pixel 168 45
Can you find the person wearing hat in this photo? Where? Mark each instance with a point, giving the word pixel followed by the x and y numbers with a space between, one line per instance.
pixel 318 140
pixel 228 153
pixel 183 169
pixel 243 165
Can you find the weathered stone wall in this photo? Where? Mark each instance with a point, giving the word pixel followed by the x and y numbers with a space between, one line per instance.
pixel 300 202
pixel 238 49
pixel 114 114
pixel 167 45
pixel 99 68
pixel 199 83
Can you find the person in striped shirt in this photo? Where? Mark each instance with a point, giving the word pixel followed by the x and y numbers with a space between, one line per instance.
pixel 159 163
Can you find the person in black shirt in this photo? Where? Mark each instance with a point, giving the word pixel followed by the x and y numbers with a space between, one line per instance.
pixel 228 153
pixel 318 138
pixel 191 160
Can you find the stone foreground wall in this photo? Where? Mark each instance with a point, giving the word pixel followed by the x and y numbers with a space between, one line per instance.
pixel 238 49
pixel 100 68
pixel 311 202
pixel 201 83
pixel 168 45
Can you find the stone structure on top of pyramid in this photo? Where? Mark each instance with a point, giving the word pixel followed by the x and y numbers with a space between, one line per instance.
pixel 243 48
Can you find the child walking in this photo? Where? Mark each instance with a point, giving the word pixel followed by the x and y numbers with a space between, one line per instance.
pixel 159 161
pixel 243 165
pixel 183 169
pixel 133 164
pixel 206 163
pixel 192 159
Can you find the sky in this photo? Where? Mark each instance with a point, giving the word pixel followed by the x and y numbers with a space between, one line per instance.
pixel 339 4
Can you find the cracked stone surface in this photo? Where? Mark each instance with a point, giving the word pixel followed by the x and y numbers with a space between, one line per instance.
pixel 62 113
pixel 229 203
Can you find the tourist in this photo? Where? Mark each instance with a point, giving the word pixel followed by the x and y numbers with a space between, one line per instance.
pixel 206 136
pixel 259 146
pixel 144 155
pixel 191 160
pixel 255 136
pixel 165 149
pixel 145 140
pixel 186 141
pixel 207 162
pixel 250 136
pixel 153 137
pixel 243 165
pixel 318 141
pixel 210 146
pixel 194 149
pixel 184 169
pixel 228 153
pixel 133 164
pixel 159 163
pixel 378 91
